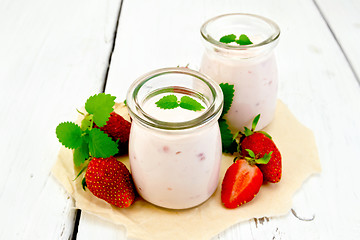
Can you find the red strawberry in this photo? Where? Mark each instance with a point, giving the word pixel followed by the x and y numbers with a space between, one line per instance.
pixel 118 129
pixel 110 180
pixel 260 143
pixel 241 183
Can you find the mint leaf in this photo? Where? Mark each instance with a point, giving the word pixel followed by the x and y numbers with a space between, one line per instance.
pixel 81 153
pixel 243 40
pixel 190 104
pixel 101 145
pixel 229 144
pixel 100 105
pixel 228 38
pixel 168 102
pixel 69 134
pixel 228 91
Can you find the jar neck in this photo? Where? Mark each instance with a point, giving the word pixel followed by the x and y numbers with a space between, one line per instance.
pixel 263 32
pixel 148 89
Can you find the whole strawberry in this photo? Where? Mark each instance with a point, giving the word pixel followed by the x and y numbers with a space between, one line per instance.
pixel 119 130
pixel 110 180
pixel 260 143
pixel 241 183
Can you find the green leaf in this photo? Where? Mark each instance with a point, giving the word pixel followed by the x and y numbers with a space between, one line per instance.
pixel 83 183
pixel 87 122
pixel 255 122
pixel 69 134
pixel 168 102
pixel 81 153
pixel 265 159
pixel 228 91
pixel 228 38
pixel 251 153
pixel 189 103
pixel 247 132
pixel 266 134
pixel 81 171
pixel 101 145
pixel 229 144
pixel 100 105
pixel 243 40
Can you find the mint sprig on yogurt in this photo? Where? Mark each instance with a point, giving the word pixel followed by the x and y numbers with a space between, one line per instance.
pixel 171 101
pixel 242 40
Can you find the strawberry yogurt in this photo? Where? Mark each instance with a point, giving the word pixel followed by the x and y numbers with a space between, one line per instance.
pixel 175 153
pixel 251 68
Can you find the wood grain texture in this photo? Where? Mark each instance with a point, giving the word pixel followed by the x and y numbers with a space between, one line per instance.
pixel 53 55
pixel 344 20
pixel 316 83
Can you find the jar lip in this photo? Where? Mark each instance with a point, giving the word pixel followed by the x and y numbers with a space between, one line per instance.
pixel 136 111
pixel 273 37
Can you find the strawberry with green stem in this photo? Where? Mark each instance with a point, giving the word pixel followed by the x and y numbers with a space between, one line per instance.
pixel 260 143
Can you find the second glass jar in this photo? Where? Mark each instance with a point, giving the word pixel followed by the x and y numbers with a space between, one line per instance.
pixel 250 68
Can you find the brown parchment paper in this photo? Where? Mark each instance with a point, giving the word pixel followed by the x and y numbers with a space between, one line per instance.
pixel 146 221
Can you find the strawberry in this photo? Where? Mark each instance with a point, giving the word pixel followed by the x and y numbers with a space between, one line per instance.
pixel 119 130
pixel 260 143
pixel 241 183
pixel 110 180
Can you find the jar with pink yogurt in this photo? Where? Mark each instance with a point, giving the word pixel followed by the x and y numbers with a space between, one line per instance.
pixel 250 68
pixel 175 154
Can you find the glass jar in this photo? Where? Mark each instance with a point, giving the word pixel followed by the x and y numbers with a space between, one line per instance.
pixel 175 154
pixel 250 68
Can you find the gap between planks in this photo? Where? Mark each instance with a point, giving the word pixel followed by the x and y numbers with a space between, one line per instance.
pixel 78 211
pixel 337 41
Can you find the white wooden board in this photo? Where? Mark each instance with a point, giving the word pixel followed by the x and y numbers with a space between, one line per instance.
pixel 53 55
pixel 316 83
pixel 344 20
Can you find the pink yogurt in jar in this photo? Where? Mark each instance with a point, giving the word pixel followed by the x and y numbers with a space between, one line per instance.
pixel 250 68
pixel 175 154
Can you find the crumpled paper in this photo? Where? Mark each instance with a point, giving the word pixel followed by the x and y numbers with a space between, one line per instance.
pixel 146 221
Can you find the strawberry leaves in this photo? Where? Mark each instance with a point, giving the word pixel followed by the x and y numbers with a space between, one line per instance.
pixel 85 140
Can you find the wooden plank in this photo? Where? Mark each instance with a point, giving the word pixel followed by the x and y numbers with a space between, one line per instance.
pixel 344 20
pixel 53 55
pixel 316 83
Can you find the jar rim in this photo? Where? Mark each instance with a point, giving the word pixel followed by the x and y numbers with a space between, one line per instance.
pixel 273 37
pixel 137 112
